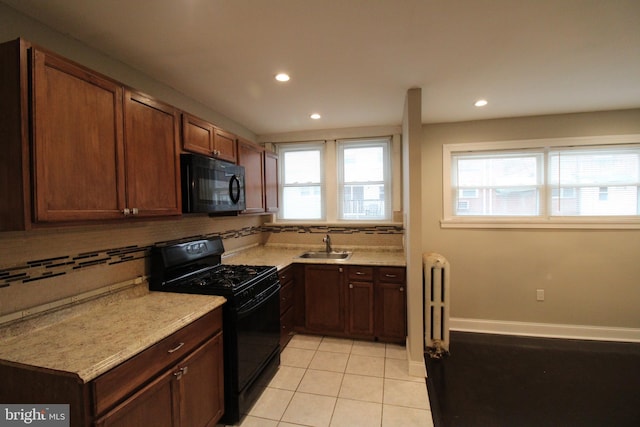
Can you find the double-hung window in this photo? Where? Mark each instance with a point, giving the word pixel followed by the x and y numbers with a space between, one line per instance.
pixel 302 181
pixel 336 180
pixel 580 180
pixel 602 181
pixel 497 183
pixel 364 180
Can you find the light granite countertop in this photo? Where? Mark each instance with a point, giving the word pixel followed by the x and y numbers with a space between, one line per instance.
pixel 282 255
pixel 89 339
pixel 88 343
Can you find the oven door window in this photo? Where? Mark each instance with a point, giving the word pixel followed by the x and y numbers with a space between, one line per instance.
pixel 258 333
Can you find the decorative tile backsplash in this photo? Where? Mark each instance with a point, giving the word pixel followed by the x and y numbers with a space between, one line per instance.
pixel 41 269
pixel 323 229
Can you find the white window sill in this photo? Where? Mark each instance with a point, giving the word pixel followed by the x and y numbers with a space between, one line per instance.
pixel 519 223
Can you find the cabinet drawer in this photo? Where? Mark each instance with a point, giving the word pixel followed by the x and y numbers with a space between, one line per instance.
pixel 286 297
pixel 286 327
pixel 124 379
pixel 285 275
pixel 360 273
pixel 391 274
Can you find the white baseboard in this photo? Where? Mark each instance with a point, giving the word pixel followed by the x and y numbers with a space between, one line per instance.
pixel 549 330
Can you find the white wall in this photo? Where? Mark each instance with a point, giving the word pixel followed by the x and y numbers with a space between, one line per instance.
pixel 591 278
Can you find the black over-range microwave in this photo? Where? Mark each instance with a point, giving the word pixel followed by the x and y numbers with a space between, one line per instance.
pixel 210 185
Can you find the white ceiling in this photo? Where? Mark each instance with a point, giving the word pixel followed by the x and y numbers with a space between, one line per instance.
pixel 353 60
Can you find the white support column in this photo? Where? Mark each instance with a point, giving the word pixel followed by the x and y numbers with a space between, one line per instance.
pixel 412 208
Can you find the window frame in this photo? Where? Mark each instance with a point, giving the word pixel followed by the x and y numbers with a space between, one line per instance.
pixel 545 219
pixel 305 146
pixel 385 144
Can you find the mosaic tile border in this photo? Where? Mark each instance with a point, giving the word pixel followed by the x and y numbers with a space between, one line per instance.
pixel 42 269
pixel 323 229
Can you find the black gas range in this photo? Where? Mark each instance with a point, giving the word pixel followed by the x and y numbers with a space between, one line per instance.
pixel 251 316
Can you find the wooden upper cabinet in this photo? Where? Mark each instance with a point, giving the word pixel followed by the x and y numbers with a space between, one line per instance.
pixel 77 142
pixel 200 136
pixel 271 181
pixel 79 147
pixel 224 145
pixel 152 156
pixel 251 156
pixel 197 135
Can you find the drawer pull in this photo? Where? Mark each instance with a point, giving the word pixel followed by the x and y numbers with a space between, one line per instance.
pixel 176 348
pixel 401 289
pixel 390 275
pixel 359 273
pixel 350 286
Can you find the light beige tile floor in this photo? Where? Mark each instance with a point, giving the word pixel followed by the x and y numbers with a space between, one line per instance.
pixel 327 382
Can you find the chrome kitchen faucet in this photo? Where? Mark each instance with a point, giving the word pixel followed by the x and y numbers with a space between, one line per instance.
pixel 327 241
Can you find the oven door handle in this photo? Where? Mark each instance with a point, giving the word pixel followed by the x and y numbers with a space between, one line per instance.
pixel 245 311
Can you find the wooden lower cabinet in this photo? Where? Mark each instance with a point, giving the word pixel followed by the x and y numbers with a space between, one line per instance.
pixel 177 382
pixel 324 298
pixel 287 283
pixel 189 394
pixel 360 301
pixel 153 405
pixel 391 305
pixel 365 302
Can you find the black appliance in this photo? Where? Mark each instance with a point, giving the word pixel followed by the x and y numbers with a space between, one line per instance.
pixel 210 185
pixel 251 316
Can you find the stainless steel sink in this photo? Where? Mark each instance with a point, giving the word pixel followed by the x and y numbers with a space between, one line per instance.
pixel 326 255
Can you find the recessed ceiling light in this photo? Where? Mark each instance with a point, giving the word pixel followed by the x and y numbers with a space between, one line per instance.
pixel 282 77
pixel 315 116
pixel 480 103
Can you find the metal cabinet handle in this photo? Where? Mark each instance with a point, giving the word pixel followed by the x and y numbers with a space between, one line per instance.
pixel 134 211
pixel 180 372
pixel 359 273
pixel 126 211
pixel 390 275
pixel 401 289
pixel 350 286
pixel 340 270
pixel 176 348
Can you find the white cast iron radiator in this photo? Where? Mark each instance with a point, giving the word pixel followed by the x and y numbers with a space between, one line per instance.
pixel 435 278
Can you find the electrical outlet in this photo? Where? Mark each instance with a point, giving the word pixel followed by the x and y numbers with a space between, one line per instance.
pixel 540 294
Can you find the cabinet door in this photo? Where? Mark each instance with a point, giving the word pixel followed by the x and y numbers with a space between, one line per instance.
pixel 250 156
pixel 224 145
pixel 360 304
pixel 77 142
pixel 297 272
pixel 201 380
pixel 391 305
pixel 154 405
pixel 271 181
pixel 197 135
pixel 324 298
pixel 152 156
